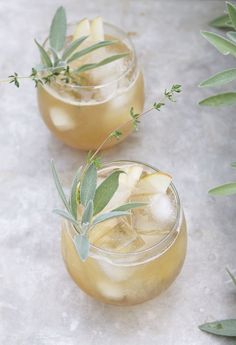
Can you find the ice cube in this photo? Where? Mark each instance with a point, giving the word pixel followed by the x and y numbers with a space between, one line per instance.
pixel 116 273
pixel 163 210
pixel 110 290
pixel 61 119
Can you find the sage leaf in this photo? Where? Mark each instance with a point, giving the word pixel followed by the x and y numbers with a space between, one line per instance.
pixel 130 206
pixel 106 190
pixel 89 66
pixel 222 44
pixel 88 184
pixel 225 189
pixel 91 48
pixel 73 193
pixel 105 216
pixel 233 165
pixel 82 246
pixel 45 58
pixel 220 78
pixel 231 276
pixel 221 22
pixel 222 99
pixel 225 328
pixel 72 47
pixel 67 216
pixel 232 36
pixel 88 213
pixel 55 57
pixel 232 13
pixel 59 186
pixel 57 35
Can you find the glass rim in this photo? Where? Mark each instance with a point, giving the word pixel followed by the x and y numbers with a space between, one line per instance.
pixel 107 252
pixel 132 62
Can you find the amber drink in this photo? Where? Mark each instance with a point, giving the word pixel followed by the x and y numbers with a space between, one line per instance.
pixel 83 114
pixel 134 258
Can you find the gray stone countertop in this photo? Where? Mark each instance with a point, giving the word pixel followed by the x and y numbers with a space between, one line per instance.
pixel 39 303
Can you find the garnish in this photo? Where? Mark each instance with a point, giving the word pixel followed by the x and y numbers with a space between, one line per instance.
pixel 56 59
pixel 93 199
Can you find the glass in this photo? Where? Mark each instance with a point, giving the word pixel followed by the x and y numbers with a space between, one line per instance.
pixel 127 278
pixel 83 116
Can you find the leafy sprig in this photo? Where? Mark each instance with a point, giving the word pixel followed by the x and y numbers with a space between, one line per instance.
pixel 56 59
pixel 91 198
pixel 225 45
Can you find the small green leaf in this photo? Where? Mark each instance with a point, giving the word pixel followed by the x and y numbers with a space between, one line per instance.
pixel 221 22
pixel 222 44
pixel 72 47
pixel 45 58
pixel 231 276
pixel 105 216
pixel 220 78
pixel 130 206
pixel 58 28
pixel 106 190
pixel 225 189
pixel 91 48
pixel 88 184
pixel 59 186
pixel 222 99
pixel 225 328
pixel 232 36
pixel 55 56
pixel 89 66
pixel 73 193
pixel 232 13
pixel 88 213
pixel 82 246
pixel 67 216
pixel 233 165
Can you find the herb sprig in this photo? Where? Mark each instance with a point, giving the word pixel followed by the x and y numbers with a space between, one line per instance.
pixel 56 59
pixel 93 199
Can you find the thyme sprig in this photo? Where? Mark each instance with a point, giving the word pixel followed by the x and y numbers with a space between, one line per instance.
pixel 93 199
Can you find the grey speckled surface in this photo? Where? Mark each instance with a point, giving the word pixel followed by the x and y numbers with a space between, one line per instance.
pixel 39 304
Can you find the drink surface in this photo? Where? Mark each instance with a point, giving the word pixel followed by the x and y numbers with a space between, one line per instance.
pixel 83 116
pixel 133 258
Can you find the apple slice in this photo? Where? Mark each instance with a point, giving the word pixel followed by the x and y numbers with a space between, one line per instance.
pixel 154 183
pixel 82 29
pixel 101 229
pixel 97 31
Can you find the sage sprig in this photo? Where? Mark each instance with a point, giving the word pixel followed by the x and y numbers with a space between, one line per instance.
pixel 225 189
pixel 57 57
pixel 93 199
pixel 225 45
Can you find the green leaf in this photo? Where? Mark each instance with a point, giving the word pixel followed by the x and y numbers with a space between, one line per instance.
pixel 233 165
pixel 106 190
pixel 45 58
pixel 225 328
pixel 109 215
pixel 232 36
pixel 82 246
pixel 57 35
pixel 88 184
pixel 231 276
pixel 232 13
pixel 72 47
pixel 59 186
pixel 220 78
pixel 67 216
pixel 103 62
pixel 222 99
pixel 91 48
pixel 225 189
pixel 130 206
pixel 73 193
pixel 221 22
pixel 55 56
pixel 222 44
pixel 88 213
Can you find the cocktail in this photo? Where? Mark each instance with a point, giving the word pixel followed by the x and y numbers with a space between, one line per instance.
pixel 98 81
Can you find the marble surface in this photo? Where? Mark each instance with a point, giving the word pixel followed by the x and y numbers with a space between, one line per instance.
pixel 39 303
